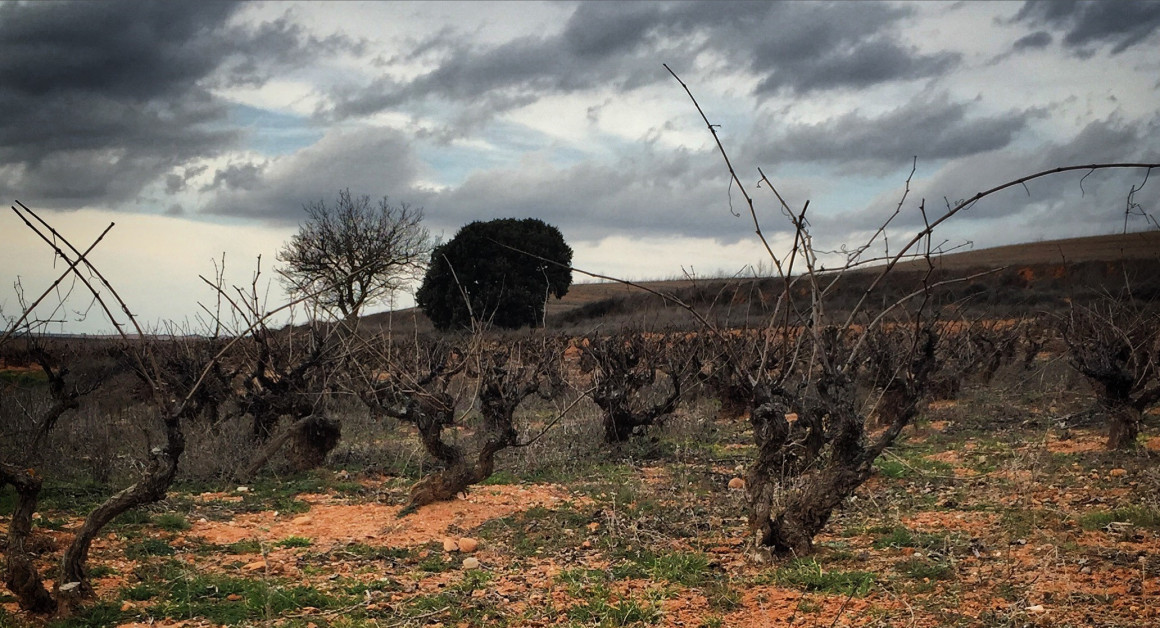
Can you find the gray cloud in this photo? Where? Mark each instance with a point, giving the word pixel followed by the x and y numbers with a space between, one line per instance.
pixel 1093 23
pixel 678 193
pixel 852 45
pixel 794 47
pixel 375 162
pixel 236 177
pixel 100 99
pixel 931 128
pixel 1036 40
pixel 175 183
pixel 1061 205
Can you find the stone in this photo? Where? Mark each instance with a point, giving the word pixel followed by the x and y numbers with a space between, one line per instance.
pixel 449 545
pixel 468 545
pixel 1118 473
pixel 303 520
pixel 471 562
pixel 736 484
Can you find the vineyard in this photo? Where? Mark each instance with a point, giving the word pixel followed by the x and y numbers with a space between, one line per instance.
pixel 941 464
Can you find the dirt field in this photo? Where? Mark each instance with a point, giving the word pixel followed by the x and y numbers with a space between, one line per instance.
pixel 987 514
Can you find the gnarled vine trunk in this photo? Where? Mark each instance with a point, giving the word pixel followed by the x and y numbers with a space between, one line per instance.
pixel 20 575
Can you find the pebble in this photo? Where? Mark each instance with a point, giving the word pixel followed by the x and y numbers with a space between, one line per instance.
pixel 468 545
pixel 736 483
pixel 471 562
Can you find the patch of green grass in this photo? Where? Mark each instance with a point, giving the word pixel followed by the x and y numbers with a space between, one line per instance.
pixel 149 547
pixel 208 596
pixel 537 530
pixel 168 570
pixel 687 568
pixel 891 468
pixel 99 615
pixel 722 596
pixel 23 378
pixel 1139 516
pixel 920 569
pixel 808 575
pixel 295 541
pixel 284 504
pixel 73 496
pixel 713 621
pixel 577 578
pixel 600 610
pixel 581 476
pixel 378 552
pixel 1022 523
pixel 502 476
pixel 359 589
pixel 437 562
pixel 473 579
pixel 140 592
pixel 348 488
pixel 134 517
pixel 100 571
pixel 172 522
pixel 456 605
pixel 899 536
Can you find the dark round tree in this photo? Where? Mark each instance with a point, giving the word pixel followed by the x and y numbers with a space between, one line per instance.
pixel 475 276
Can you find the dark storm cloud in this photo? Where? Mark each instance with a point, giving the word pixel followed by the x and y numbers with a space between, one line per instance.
pixel 236 177
pixel 1094 23
pixel 101 98
pixel 929 128
pixel 850 45
pixel 373 162
pixel 799 48
pixel 1038 39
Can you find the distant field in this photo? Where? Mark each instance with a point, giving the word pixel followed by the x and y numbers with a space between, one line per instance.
pixel 1132 246
pixel 1055 253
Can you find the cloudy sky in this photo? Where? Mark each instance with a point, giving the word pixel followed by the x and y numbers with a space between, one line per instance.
pixel 202 128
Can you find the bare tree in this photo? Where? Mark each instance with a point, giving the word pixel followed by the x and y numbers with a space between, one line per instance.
pixel 351 254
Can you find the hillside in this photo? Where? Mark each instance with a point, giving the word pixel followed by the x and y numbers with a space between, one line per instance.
pixel 1033 273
